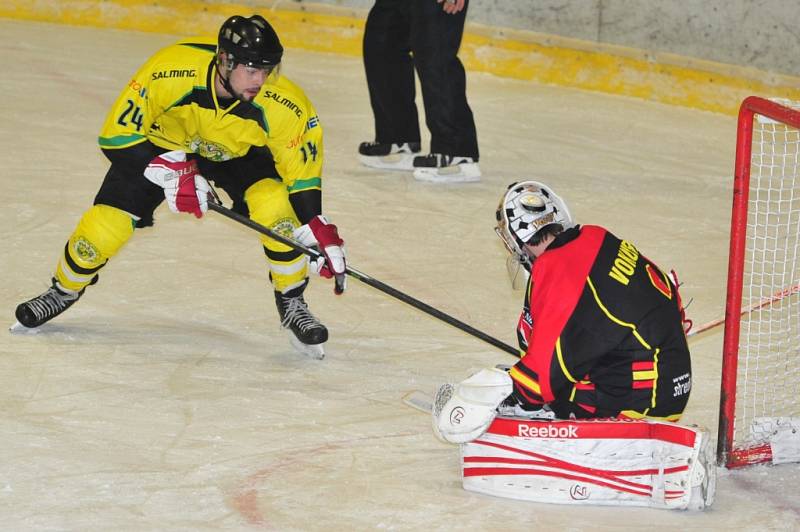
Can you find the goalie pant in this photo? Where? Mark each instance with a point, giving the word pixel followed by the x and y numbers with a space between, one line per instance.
pixel 602 330
pixel 603 462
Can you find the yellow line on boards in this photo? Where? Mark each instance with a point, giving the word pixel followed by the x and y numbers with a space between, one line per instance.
pixel 505 53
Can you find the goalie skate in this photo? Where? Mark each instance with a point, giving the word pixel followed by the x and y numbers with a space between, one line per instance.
pixel 388 156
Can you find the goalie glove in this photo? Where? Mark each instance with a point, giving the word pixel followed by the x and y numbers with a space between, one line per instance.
pixel 184 188
pixel 463 412
pixel 324 235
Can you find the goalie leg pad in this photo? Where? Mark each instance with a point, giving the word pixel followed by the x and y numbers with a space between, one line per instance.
pixel 603 462
pixel 464 411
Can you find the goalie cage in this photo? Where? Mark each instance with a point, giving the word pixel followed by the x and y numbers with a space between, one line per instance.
pixel 759 396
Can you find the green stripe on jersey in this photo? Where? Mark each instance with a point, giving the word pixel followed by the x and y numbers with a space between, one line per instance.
pixel 191 96
pixel 120 141
pixel 264 124
pixel 305 184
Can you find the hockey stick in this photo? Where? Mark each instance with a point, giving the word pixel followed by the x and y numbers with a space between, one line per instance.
pixel 777 296
pixel 419 400
pixel 214 205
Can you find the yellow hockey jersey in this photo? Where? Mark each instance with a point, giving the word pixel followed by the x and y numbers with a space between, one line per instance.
pixel 172 102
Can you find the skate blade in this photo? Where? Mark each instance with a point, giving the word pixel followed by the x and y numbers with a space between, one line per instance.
pixel 19 328
pixel 315 351
pixel 394 161
pixel 460 173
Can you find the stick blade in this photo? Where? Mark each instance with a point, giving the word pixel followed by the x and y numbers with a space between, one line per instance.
pixel 419 400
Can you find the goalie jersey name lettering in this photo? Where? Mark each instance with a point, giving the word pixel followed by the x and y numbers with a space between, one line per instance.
pixel 625 263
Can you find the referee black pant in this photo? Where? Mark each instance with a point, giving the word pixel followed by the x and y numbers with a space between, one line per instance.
pixel 402 35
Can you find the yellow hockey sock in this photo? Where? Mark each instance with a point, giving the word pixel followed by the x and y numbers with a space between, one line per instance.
pixel 268 203
pixel 101 232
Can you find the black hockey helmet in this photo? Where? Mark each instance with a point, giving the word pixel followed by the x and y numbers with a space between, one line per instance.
pixel 250 41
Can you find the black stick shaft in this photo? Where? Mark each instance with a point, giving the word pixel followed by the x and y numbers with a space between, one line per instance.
pixel 366 279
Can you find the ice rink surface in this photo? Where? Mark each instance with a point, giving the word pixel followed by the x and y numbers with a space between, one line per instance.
pixel 168 398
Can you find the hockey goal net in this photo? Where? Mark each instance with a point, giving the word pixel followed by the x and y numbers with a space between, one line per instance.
pixel 761 349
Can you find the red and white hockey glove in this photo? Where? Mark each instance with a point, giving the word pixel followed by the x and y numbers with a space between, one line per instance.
pixel 185 189
pixel 319 232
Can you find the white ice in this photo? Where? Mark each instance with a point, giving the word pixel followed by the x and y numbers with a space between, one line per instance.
pixel 168 398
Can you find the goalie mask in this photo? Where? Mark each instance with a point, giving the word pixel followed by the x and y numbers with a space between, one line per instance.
pixel 526 208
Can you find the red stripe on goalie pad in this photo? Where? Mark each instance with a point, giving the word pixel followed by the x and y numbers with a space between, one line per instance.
pixel 539 459
pixel 595 429
pixel 609 462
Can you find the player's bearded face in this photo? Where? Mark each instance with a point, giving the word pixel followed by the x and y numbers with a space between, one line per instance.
pixel 246 81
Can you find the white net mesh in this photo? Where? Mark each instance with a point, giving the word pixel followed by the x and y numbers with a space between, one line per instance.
pixel 769 366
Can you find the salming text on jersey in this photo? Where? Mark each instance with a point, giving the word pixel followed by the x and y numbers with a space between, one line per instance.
pixel 175 73
pixel 283 100
pixel 172 102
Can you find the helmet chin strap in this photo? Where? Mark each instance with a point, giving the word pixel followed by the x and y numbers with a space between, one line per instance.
pixel 226 84
pixel 525 260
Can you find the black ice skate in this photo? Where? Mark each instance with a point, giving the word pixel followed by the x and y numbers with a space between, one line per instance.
pixel 43 308
pixel 397 156
pixel 306 333
pixel 442 168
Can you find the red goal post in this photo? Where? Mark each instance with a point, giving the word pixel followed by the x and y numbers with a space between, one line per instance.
pixel 761 346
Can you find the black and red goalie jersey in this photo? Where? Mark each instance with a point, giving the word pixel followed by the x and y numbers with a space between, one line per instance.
pixel 606 337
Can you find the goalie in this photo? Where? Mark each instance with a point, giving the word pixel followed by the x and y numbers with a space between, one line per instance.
pixel 601 337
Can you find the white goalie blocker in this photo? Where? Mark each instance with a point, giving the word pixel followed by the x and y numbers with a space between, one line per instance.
pixel 603 462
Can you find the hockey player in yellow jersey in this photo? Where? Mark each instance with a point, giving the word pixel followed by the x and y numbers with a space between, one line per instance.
pixel 210 110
